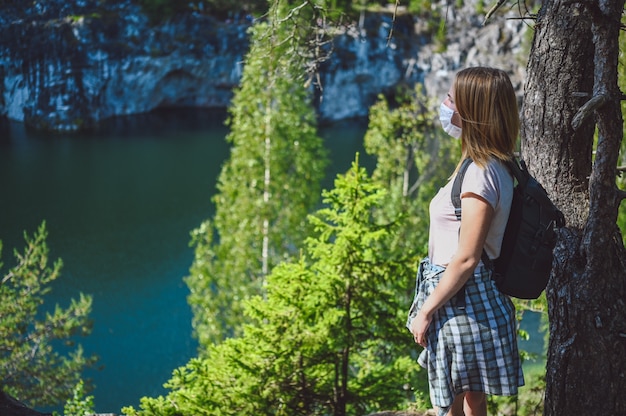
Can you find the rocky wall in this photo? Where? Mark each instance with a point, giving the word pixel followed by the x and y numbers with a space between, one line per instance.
pixel 66 65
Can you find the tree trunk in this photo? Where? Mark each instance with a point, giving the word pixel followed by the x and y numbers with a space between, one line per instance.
pixel 571 88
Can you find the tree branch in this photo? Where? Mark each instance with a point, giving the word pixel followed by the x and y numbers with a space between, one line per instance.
pixel 493 9
pixel 295 10
pixel 587 109
pixel 529 17
pixel 393 22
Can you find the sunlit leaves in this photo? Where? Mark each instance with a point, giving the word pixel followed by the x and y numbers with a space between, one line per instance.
pixel 268 185
pixel 31 367
pixel 413 159
pixel 327 337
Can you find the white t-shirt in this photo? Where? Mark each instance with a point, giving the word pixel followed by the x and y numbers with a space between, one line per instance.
pixel 495 185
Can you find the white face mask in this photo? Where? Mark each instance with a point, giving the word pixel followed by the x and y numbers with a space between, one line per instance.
pixel 445 116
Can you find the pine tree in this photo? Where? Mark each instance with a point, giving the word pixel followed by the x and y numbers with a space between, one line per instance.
pixel 31 368
pixel 327 338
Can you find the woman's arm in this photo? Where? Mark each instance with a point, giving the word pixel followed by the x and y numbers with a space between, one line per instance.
pixel 475 221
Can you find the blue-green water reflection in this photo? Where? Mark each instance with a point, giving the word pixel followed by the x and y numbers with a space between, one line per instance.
pixel 119 204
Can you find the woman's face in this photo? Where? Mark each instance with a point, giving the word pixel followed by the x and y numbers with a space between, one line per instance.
pixel 449 102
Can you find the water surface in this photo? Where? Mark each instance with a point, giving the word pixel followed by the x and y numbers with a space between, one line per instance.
pixel 119 204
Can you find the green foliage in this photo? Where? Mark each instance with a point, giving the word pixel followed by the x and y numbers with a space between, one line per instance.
pixel 529 402
pixel 161 10
pixel 79 404
pixel 269 184
pixel 530 399
pixel 31 369
pixel 420 7
pixel 413 160
pixel 328 337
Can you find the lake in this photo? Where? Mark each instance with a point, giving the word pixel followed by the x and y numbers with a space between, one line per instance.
pixel 119 204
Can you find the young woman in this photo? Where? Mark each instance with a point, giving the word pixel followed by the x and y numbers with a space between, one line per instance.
pixel 470 343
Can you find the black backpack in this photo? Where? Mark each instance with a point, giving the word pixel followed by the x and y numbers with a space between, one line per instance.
pixel 525 261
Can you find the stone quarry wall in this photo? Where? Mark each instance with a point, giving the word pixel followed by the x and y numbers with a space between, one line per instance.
pixel 65 65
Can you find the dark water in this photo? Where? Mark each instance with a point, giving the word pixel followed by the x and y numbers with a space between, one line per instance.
pixel 119 204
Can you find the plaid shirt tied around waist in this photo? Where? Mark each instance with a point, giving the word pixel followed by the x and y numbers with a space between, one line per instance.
pixel 472 348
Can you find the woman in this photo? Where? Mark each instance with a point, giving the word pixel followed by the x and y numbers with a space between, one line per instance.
pixel 469 340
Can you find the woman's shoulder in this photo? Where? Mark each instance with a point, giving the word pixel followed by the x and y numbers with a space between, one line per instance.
pixel 497 168
pixel 494 172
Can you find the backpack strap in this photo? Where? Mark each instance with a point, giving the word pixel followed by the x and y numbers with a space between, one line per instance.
pixel 519 170
pixel 455 196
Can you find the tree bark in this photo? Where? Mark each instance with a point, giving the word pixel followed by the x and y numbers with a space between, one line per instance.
pixel 11 407
pixel 556 86
pixel 571 88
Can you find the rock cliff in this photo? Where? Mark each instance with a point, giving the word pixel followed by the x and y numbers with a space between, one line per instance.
pixel 65 65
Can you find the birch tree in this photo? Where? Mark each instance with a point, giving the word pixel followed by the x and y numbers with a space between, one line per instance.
pixel 271 180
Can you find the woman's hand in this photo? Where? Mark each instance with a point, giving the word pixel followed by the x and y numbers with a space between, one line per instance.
pixel 419 328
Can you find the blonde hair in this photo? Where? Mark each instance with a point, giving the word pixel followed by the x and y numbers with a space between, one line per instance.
pixel 486 101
